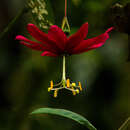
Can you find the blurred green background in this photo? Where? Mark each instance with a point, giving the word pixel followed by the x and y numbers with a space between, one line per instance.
pixel 25 75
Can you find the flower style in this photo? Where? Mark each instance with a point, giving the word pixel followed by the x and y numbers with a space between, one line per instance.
pixel 56 43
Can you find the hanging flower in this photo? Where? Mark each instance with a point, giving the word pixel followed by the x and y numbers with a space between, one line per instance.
pixel 56 43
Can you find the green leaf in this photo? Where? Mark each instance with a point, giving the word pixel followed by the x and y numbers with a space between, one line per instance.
pixel 65 113
pixel 41 12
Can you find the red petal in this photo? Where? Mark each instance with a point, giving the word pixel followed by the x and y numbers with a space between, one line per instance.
pixel 41 36
pixel 26 41
pixel 92 43
pixel 22 38
pixel 58 35
pixel 109 29
pixel 34 47
pixel 47 53
pixel 76 38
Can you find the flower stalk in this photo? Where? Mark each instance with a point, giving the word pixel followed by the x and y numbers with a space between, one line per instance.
pixel 65 24
pixel 65 8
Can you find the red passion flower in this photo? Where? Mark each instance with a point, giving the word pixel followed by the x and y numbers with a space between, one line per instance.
pixel 56 43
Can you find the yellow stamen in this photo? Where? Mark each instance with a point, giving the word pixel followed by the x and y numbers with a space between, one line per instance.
pixel 65 84
pixel 51 84
pixel 68 83
pixel 73 91
pixel 77 91
pixel 73 84
pixel 55 93
pixel 49 89
pixel 80 87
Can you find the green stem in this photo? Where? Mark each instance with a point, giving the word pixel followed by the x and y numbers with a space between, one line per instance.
pixel 20 13
pixel 64 76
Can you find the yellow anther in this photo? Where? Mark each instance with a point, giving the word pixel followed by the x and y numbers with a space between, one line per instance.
pixel 77 91
pixel 74 92
pixel 68 83
pixel 73 84
pixel 55 93
pixel 80 87
pixel 51 84
pixel 49 89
